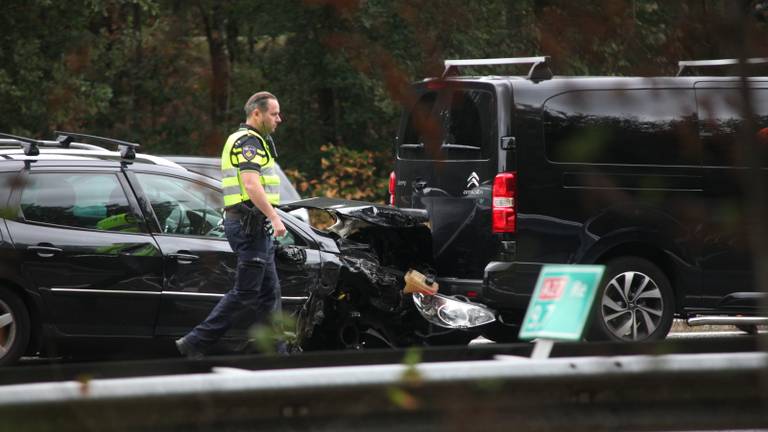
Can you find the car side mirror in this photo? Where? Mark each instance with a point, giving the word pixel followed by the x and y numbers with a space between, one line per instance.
pixel 291 254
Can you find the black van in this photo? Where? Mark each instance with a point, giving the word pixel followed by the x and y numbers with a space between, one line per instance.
pixel 641 174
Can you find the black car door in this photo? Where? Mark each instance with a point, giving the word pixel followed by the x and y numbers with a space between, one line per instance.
pixel 297 277
pixel 87 251
pixel 199 266
pixel 199 263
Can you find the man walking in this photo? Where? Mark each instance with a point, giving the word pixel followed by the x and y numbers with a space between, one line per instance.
pixel 250 185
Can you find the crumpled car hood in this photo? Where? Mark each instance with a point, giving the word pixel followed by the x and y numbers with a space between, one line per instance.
pixel 377 244
pixel 353 216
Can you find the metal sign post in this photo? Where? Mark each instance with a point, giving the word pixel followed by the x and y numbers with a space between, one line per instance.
pixel 560 305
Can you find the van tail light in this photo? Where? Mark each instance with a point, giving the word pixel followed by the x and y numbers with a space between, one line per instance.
pixel 392 183
pixel 504 205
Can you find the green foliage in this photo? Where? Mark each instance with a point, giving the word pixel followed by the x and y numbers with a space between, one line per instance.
pixel 175 75
pixel 347 173
pixel 402 395
pixel 280 329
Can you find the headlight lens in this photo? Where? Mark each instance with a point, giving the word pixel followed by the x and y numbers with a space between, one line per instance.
pixel 449 312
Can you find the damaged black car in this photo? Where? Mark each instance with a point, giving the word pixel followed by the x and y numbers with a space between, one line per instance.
pixel 102 253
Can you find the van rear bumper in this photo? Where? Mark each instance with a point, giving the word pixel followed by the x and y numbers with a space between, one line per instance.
pixel 470 288
pixel 509 284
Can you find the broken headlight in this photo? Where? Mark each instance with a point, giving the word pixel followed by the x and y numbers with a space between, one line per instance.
pixel 449 312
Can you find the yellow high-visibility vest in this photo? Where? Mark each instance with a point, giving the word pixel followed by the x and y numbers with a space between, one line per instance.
pixel 231 158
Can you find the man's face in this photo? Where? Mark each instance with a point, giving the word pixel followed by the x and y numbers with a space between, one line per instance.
pixel 267 121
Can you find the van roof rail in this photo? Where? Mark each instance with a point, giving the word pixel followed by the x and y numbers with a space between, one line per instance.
pixel 127 149
pixel 539 71
pixel 686 66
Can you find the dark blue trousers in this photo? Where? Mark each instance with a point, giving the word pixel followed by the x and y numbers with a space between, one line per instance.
pixel 256 290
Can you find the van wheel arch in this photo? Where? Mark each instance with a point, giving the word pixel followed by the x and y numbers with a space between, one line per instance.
pixel 655 255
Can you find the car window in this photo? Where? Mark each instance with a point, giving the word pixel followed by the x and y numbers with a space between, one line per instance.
pixel 456 126
pixel 93 201
pixel 423 135
pixel 469 133
pixel 646 126
pixel 722 124
pixel 206 170
pixel 287 191
pixel 289 238
pixel 184 207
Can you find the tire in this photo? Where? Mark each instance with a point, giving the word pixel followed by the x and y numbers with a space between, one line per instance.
pixel 634 303
pixel 14 327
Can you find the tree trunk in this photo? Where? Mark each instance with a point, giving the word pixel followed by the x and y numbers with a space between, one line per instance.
pixel 138 60
pixel 214 23
pixel 327 108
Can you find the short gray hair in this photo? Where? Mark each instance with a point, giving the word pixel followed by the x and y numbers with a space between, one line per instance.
pixel 259 100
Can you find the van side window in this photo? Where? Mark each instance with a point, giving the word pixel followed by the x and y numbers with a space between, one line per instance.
pixel 455 124
pixel 637 126
pixel 721 124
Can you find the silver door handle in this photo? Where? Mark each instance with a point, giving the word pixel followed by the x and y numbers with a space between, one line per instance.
pixel 45 251
pixel 184 258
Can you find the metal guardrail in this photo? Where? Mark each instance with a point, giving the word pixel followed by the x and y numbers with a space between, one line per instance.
pixel 665 392
pixel 40 370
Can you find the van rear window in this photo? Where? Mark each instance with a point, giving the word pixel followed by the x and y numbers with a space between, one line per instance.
pixel 637 126
pixel 451 124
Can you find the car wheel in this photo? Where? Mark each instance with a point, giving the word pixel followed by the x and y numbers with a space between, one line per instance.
pixel 14 327
pixel 634 303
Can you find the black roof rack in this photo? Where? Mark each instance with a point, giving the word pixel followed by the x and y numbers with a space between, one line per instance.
pixel 539 71
pixel 685 67
pixel 127 149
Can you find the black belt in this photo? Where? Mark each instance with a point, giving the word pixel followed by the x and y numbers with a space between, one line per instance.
pixel 236 211
pixel 232 214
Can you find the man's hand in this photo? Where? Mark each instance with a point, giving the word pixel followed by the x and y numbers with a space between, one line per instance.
pixel 277 225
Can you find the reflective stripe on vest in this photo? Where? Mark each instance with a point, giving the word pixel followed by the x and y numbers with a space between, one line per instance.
pixel 231 183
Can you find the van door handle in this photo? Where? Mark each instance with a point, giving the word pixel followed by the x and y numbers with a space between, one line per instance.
pixel 45 251
pixel 184 258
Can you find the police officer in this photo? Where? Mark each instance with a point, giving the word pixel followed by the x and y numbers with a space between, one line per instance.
pixel 250 184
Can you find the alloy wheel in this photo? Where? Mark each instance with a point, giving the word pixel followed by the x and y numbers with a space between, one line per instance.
pixel 7 329
pixel 632 306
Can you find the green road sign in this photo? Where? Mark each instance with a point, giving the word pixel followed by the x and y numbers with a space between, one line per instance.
pixel 561 302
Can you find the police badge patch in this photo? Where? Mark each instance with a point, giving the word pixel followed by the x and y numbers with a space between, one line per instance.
pixel 249 152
